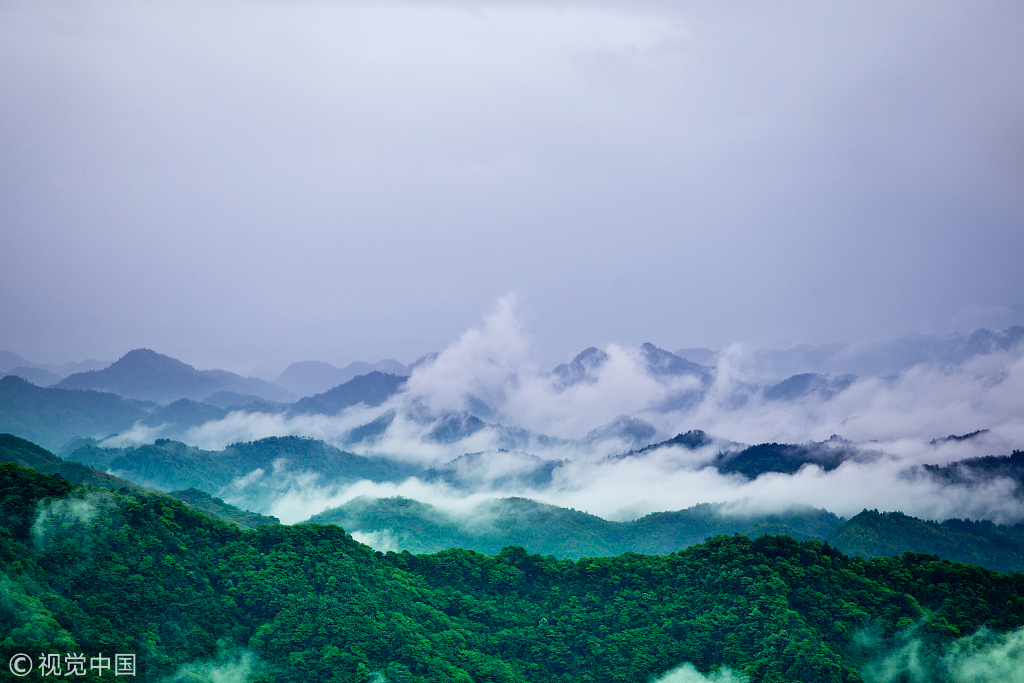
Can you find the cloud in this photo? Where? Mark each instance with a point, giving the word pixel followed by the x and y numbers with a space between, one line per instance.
pixel 687 673
pixel 987 657
pixel 893 420
pixel 230 665
pixel 65 515
pixel 382 541
pixel 983 657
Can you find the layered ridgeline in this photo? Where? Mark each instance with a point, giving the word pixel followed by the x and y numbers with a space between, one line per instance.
pixel 57 416
pixel 172 465
pixel 244 474
pixel 146 395
pixel 27 454
pixel 150 376
pixel 168 464
pixel 403 524
pixel 92 570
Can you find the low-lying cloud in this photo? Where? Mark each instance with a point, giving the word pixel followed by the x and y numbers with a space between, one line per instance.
pixel 687 673
pixel 486 394
pixel 983 657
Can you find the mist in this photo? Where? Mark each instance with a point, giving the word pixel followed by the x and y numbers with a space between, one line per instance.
pixel 582 432
pixel 249 184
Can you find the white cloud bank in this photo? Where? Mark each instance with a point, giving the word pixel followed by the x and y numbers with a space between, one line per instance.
pixel 897 418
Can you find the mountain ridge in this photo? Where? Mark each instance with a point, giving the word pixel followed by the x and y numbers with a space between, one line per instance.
pixel 144 374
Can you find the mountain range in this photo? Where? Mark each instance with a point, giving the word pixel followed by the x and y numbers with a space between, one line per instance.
pixel 402 524
pixel 149 376
pixel 489 526
pixel 311 377
pixel 91 570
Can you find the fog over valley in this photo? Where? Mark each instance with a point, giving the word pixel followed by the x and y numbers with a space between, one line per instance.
pixel 483 419
pixel 477 341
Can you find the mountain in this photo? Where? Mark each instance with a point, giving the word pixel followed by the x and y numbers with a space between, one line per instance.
pixel 371 389
pixel 52 417
pixel 38 376
pixel 756 460
pixel 808 384
pixel 10 360
pixel 146 375
pixel 91 570
pixel 403 524
pixel 661 363
pixel 311 377
pixel 691 440
pixel 882 534
pixel 232 400
pixel 972 470
pixel 488 527
pixel 629 430
pixel 583 368
pixel 218 509
pixel 885 357
pixel 753 461
pixel 171 465
pixel 28 454
pixel 448 427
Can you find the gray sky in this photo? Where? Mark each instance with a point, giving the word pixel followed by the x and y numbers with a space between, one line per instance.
pixel 247 184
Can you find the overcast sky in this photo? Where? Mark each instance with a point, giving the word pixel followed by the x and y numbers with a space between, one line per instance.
pixel 243 184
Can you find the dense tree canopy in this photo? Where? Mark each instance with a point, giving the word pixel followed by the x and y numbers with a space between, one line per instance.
pixel 138 571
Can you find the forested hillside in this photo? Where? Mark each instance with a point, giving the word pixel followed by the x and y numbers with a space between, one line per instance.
pixel 399 523
pixel 171 465
pixel 547 529
pixel 94 570
pixel 28 454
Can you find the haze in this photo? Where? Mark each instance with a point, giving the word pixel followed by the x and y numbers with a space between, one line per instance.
pixel 248 184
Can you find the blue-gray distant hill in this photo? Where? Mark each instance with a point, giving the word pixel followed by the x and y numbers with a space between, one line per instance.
pixel 371 389
pixel 150 376
pixel 658 363
pixel 883 358
pixel 38 376
pixel 52 417
pixel 310 377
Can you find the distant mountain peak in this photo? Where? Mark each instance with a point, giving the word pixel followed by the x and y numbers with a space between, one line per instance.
pixel 582 368
pixel 149 359
pixel 145 374
pixel 312 377
pixel 662 363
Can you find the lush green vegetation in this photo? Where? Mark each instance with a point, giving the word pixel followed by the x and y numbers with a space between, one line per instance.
pixel 874 533
pixel 92 569
pixel 28 454
pixel 546 529
pixel 215 507
pixel 171 465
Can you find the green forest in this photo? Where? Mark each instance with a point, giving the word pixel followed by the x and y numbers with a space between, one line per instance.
pixel 91 569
